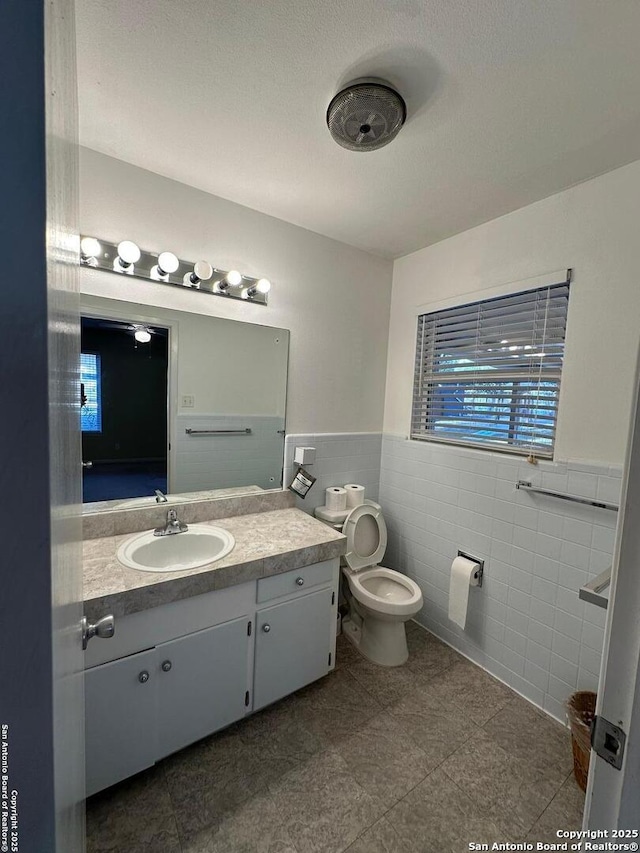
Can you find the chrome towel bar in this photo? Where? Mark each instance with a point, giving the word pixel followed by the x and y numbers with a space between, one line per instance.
pixel 524 484
pixel 246 431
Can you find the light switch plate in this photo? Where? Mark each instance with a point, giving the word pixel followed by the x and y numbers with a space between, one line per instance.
pixel 188 401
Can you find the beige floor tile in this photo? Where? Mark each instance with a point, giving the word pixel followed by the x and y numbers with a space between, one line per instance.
pixel 563 812
pixel 438 728
pixel 381 838
pixel 133 817
pixel 511 792
pixel 222 760
pixel 531 736
pixel 322 805
pixel 254 826
pixel 336 706
pixel 428 655
pixel 466 685
pixel 387 684
pixel 437 817
pixel 384 760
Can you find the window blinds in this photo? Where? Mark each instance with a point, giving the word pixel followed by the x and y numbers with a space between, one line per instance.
pixel 488 373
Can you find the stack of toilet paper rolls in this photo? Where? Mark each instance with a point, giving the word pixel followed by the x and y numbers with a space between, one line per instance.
pixel 340 500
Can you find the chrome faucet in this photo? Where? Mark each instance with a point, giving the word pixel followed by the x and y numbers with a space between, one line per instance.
pixel 172 526
pixel 161 498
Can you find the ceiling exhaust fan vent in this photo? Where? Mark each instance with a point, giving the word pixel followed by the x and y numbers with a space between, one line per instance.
pixel 366 116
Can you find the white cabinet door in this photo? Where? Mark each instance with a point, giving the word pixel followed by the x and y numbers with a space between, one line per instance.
pixel 120 719
pixel 202 683
pixel 293 642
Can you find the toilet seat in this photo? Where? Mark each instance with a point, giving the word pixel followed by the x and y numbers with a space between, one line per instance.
pixel 386 591
pixel 366 534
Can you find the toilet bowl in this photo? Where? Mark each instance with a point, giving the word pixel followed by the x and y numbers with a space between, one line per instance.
pixel 382 600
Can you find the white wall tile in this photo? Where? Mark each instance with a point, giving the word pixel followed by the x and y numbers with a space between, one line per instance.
pixel 526 624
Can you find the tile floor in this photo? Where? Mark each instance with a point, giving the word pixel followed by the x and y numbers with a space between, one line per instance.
pixel 425 757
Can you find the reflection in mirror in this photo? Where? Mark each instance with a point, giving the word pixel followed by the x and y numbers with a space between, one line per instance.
pixel 178 403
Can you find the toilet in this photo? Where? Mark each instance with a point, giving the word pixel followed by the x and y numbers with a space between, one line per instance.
pixel 382 600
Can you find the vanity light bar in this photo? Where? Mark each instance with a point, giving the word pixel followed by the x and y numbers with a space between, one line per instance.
pixel 166 268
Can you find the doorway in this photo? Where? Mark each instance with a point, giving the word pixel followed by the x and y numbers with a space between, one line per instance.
pixel 124 385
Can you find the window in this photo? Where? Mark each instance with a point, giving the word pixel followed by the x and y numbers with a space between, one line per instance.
pixel 488 373
pixel 91 409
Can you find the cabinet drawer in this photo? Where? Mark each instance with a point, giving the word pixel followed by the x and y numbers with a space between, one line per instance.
pixel 299 580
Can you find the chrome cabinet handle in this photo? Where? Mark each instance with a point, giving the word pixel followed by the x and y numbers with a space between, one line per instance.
pixel 143 677
pixel 266 628
pixel 300 581
pixel 104 628
pixel 166 665
pixel 87 464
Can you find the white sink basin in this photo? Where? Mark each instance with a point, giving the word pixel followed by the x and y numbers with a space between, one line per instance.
pixel 200 545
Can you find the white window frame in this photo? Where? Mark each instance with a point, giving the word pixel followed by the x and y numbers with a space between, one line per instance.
pixel 471 297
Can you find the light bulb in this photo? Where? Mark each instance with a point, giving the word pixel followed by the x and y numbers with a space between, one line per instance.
pixel 202 271
pixel 231 279
pixel 168 262
pixel 89 248
pixel 128 254
pixel 263 285
pixel 143 336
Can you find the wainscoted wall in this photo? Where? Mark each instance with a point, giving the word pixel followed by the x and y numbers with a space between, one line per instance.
pixel 341 457
pixel 526 625
pixel 224 461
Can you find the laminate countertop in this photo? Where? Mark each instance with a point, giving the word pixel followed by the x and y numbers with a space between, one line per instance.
pixel 267 543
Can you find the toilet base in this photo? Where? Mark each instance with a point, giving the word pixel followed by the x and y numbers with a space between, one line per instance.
pixel 382 642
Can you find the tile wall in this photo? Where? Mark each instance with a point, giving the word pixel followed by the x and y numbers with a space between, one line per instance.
pixel 526 625
pixel 224 461
pixel 352 457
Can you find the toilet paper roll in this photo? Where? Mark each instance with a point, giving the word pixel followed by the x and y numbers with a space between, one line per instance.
pixel 355 495
pixel 336 498
pixel 462 577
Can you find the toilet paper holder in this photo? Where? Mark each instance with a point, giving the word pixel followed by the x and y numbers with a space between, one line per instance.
pixel 479 572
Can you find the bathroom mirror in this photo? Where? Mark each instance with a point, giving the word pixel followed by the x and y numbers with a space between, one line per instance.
pixel 178 403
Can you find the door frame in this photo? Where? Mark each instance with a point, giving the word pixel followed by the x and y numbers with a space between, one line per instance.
pixel 119 315
pixel 41 695
pixel 612 795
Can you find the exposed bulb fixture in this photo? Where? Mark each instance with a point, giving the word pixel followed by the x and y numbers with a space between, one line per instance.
pixel 232 279
pixel 142 335
pixel 202 271
pixel 167 264
pixel 263 285
pixel 128 255
pixel 168 268
pixel 90 248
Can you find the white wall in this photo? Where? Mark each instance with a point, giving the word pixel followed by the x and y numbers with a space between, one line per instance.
pixel 592 228
pixel 334 299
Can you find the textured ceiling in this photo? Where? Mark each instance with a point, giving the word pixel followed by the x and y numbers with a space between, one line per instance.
pixel 508 101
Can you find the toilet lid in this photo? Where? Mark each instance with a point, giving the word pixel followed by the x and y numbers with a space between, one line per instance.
pixel 366 535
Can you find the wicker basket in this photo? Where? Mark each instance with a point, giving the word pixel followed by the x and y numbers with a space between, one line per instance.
pixel 581 709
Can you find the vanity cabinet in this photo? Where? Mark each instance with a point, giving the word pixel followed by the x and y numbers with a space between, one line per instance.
pixel 176 673
pixel 148 705
pixel 202 683
pixel 293 645
pixel 120 719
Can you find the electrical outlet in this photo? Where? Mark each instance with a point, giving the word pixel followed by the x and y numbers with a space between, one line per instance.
pixel 188 401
